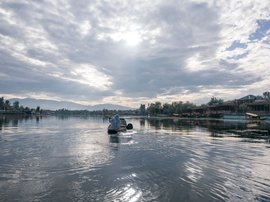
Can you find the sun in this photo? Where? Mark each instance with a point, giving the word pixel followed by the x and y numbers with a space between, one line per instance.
pixel 132 38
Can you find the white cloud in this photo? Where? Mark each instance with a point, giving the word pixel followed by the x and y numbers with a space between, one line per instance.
pixel 85 28
pixel 133 51
pixel 88 74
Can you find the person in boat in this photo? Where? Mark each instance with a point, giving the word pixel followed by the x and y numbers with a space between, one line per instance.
pixel 115 122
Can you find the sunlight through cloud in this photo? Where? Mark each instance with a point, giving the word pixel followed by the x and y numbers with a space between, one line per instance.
pixel 88 74
pixel 132 38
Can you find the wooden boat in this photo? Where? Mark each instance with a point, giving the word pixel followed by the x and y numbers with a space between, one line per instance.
pixel 123 127
pixel 252 116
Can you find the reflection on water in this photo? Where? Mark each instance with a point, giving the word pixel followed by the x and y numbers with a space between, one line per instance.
pixel 74 159
pixel 216 128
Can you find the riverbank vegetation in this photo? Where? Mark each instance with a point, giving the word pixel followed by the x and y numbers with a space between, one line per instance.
pixel 6 107
pixel 214 108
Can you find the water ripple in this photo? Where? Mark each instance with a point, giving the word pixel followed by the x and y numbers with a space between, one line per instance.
pixel 75 160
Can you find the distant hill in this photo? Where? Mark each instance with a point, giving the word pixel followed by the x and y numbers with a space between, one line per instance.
pixel 54 105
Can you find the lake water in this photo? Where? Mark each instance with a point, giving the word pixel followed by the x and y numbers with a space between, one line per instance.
pixel 74 159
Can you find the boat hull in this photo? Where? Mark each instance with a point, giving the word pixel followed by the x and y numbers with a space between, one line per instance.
pixel 113 131
pixel 123 127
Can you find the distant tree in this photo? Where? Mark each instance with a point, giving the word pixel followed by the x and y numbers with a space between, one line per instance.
pixel 175 107
pixel 154 108
pixel 214 100
pixel 16 105
pixel 27 110
pixel 105 112
pixel 2 103
pixel 142 109
pixel 151 108
pixel 184 107
pixel 178 107
pixel 38 109
pixel 243 107
pixel 21 108
pixel 203 105
pixel 158 107
pixel 167 109
pixel 266 95
pixel 7 105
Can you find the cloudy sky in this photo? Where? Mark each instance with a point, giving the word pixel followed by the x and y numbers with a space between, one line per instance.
pixel 131 52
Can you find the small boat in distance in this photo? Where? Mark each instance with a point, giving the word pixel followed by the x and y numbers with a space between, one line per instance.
pixel 252 116
pixel 122 128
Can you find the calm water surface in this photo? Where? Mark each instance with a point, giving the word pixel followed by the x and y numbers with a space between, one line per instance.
pixel 74 159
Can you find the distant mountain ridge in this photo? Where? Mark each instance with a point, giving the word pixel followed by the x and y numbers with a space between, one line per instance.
pixel 54 105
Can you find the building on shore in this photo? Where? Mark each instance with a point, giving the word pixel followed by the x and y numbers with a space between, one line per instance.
pixel 235 108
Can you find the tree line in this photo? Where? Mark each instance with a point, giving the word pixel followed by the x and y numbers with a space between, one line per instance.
pixel 168 109
pixel 175 107
pixel 186 107
pixel 7 107
pixel 153 108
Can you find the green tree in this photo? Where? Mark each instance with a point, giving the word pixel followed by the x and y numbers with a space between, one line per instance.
pixel 178 107
pixel 214 101
pixel 142 109
pixel 154 108
pixel 151 108
pixel 21 108
pixel 167 109
pixel 38 109
pixel 266 95
pixel 27 110
pixel 158 107
pixel 7 105
pixel 16 105
pixel 2 103
pixel 243 107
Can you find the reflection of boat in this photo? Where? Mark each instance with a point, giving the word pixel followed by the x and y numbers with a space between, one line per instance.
pixel 114 139
pixel 253 124
pixel 122 128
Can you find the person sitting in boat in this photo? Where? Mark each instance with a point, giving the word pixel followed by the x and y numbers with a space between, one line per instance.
pixel 115 122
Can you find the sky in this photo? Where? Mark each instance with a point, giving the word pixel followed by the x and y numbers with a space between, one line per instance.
pixel 134 52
